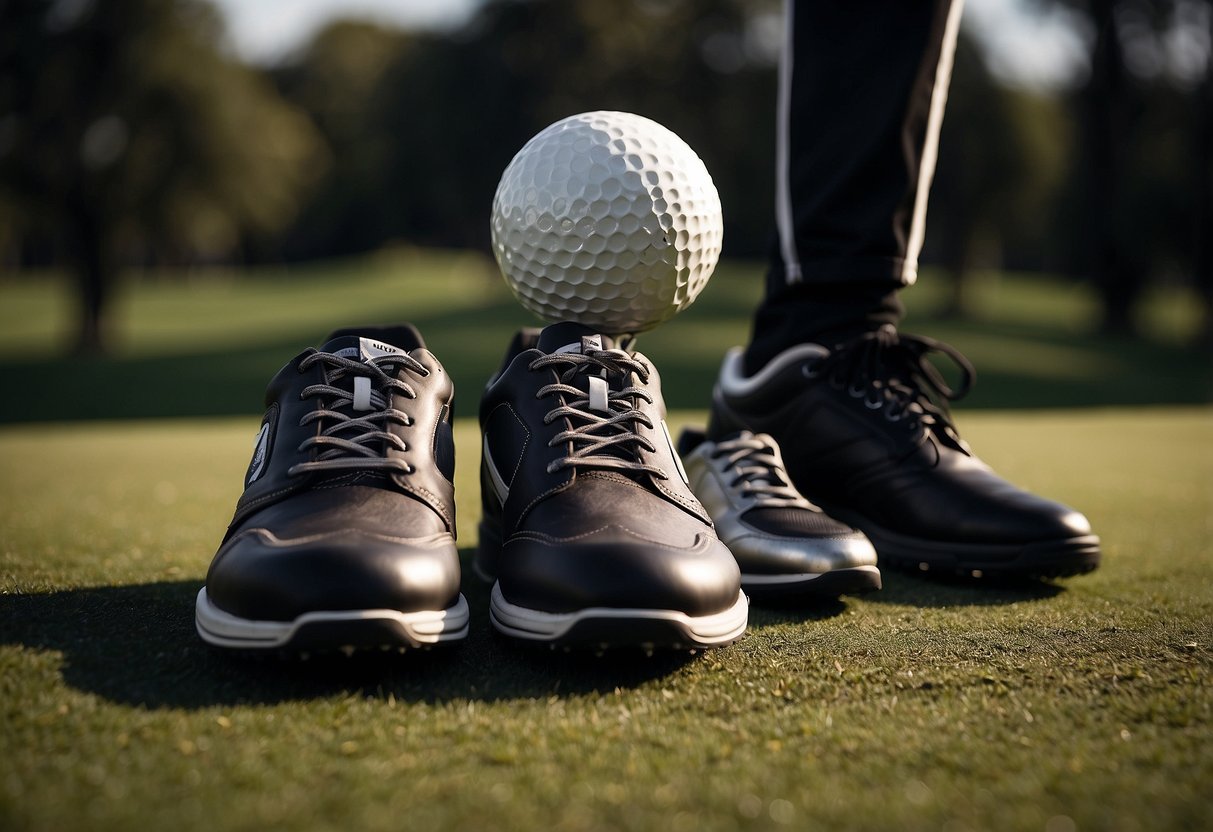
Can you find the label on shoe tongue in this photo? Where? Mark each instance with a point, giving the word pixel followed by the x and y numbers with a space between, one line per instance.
pixel 587 344
pixel 566 337
pixel 599 398
pixel 369 349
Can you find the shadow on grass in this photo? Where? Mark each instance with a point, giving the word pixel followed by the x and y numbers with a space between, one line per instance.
pixel 909 590
pixel 136 645
pixel 956 591
pixel 772 612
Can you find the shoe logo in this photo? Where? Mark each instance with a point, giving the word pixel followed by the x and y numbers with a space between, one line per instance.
pixel 370 349
pixel 261 452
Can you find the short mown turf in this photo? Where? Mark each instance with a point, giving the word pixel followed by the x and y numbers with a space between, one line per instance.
pixel 206 343
pixel 1081 705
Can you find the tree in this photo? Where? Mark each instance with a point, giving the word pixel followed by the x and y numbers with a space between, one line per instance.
pixel 123 128
pixel 1003 159
pixel 1143 164
pixel 339 80
pixel 421 126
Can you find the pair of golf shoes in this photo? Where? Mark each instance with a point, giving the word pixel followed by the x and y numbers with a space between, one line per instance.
pixel 593 533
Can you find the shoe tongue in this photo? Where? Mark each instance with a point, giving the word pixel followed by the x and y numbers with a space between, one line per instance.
pixel 361 348
pixel 570 336
pixel 403 337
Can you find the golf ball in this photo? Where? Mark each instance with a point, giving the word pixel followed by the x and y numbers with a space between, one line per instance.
pixel 607 219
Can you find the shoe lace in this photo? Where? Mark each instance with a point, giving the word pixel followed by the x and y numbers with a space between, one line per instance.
pixel 757 468
pixel 890 372
pixel 604 433
pixel 354 433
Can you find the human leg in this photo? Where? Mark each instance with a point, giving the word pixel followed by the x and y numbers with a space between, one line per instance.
pixel 858 410
pixel 861 94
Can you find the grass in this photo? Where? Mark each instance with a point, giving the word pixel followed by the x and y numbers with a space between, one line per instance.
pixel 206 345
pixel 924 706
pixel 1080 705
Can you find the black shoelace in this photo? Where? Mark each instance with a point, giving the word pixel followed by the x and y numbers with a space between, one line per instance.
pixel 356 439
pixel 605 437
pixel 890 371
pixel 757 469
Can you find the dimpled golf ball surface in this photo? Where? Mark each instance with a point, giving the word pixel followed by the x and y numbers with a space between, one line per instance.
pixel 607 219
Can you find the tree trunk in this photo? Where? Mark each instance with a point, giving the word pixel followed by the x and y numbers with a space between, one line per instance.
pixel 1204 202
pixel 957 262
pixel 94 271
pixel 1118 281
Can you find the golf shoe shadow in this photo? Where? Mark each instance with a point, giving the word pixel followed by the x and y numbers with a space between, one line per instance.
pixel 136 645
pixel 958 591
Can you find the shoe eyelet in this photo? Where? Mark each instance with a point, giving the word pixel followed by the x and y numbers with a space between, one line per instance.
pixel 809 371
pixel 873 404
pixel 855 392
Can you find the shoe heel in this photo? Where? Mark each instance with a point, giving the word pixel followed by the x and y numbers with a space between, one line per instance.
pixel 721 419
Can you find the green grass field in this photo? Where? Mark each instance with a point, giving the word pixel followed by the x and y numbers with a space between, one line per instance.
pixel 1082 705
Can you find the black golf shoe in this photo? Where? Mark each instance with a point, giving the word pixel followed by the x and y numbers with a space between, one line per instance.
pixel 344 536
pixel 589 530
pixel 786 547
pixel 866 435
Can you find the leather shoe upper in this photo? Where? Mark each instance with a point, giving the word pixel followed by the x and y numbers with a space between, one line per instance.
pixel 581 482
pixel 864 434
pixel 348 501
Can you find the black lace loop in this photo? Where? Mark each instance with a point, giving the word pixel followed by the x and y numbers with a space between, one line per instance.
pixel 757 470
pixel 351 440
pixel 604 440
pixel 892 373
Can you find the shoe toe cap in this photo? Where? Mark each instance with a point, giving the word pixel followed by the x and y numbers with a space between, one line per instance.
pixel 774 555
pixel 967 502
pixel 1023 518
pixel 1069 522
pixel 260 577
pixel 615 569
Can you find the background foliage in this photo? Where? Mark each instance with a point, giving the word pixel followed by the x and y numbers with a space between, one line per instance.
pixel 129 139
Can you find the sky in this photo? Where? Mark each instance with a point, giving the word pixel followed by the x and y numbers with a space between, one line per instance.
pixel 264 31
pixel 1030 48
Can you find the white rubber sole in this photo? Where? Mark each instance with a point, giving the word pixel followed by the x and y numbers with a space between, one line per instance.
pixel 616 627
pixel 395 629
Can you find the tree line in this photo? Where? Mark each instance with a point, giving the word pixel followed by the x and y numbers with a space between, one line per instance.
pixel 128 136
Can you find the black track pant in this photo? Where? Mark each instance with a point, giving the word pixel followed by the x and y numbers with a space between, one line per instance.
pixel 862 86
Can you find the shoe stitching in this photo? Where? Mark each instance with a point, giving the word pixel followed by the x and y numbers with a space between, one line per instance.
pixel 525 442
pixel 278 542
pixel 701 540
